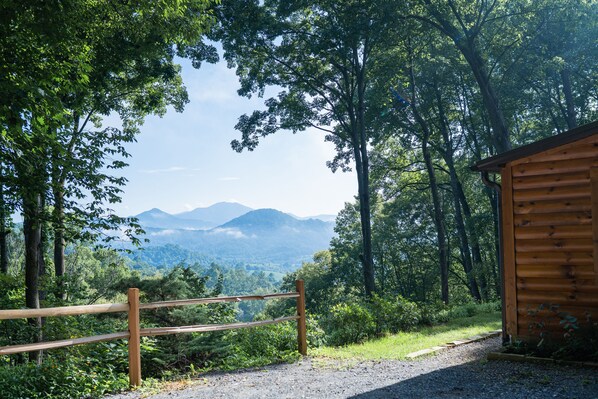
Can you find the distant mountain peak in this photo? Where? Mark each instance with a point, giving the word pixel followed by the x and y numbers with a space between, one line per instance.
pixel 218 213
pixel 268 218
pixel 154 212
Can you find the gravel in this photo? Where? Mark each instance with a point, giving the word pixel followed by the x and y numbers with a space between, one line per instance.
pixel 461 372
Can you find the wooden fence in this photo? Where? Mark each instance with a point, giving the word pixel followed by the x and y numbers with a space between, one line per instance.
pixel 135 333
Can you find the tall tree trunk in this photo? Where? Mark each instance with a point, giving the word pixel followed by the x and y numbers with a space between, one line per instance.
pixel 476 251
pixel 58 184
pixel 438 222
pixel 466 42
pixel 3 227
pixel 493 201
pixel 32 229
pixel 3 248
pixel 464 241
pixel 362 166
pixel 366 229
pixel 59 241
pixel 443 253
pixel 501 137
pixel 457 192
pixel 570 115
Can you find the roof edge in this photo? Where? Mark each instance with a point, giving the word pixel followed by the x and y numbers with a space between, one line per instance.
pixel 497 162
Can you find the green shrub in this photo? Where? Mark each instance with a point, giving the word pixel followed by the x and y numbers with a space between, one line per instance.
pixel 70 377
pixel 348 323
pixel 394 314
pixel 268 344
pixel 577 339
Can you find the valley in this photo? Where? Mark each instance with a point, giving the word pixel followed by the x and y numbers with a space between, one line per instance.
pixel 231 234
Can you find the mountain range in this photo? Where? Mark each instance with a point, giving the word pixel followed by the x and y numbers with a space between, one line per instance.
pixel 232 233
pixel 197 219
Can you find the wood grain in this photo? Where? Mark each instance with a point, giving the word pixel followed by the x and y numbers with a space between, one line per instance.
pixel 509 277
pixel 9 350
pixel 63 311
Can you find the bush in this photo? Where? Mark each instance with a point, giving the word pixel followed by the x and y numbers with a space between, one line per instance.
pixel 577 340
pixel 273 343
pixel 441 313
pixel 348 323
pixel 70 377
pixel 394 314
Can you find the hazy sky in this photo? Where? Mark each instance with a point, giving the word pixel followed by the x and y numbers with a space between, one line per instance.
pixel 184 160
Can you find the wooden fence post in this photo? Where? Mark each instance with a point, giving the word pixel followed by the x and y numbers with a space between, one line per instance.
pixel 301 325
pixel 134 338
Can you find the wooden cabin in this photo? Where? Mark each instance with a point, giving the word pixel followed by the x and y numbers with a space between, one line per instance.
pixel 549 193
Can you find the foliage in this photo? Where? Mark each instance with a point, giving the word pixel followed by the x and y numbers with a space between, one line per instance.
pixel 558 334
pixel 70 378
pixel 320 56
pixel 348 323
pixel 269 344
pixel 394 314
pixel 357 320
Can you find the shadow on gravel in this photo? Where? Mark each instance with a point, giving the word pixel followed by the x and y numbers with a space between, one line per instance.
pixel 495 379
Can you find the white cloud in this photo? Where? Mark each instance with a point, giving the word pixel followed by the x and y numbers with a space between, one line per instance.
pixel 163 233
pixel 229 232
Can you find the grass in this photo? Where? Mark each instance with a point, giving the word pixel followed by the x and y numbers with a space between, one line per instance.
pixel 398 345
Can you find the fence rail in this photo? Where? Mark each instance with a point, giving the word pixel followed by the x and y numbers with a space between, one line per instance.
pixel 135 332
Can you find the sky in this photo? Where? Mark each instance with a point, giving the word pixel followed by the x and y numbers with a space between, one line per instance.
pixel 184 160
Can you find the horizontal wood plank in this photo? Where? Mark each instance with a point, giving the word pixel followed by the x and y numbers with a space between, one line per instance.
pixel 553 193
pixel 550 167
pixel 552 180
pixel 559 258
pixel 552 206
pixel 555 245
pixel 9 350
pixel 554 219
pixel 203 301
pixel 63 311
pixel 561 298
pixel 550 322
pixel 552 271
pixel 544 232
pixel 148 332
pixel 565 285
pixel 578 311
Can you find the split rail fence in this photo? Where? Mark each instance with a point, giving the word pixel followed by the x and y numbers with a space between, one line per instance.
pixel 134 334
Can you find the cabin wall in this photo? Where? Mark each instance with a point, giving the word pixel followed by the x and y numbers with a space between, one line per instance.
pixel 550 238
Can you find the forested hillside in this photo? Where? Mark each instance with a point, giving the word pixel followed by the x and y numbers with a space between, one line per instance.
pixel 410 94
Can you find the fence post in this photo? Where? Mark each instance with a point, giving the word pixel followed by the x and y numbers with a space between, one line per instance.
pixel 301 326
pixel 134 338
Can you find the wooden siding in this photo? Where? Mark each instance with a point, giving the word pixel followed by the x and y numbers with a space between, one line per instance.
pixel 509 273
pixel 551 238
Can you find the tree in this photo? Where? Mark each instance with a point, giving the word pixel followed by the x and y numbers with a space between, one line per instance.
pixel 63 67
pixel 134 75
pixel 560 68
pixel 319 54
pixel 473 26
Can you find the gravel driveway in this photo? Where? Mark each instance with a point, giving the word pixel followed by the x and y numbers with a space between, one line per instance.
pixel 461 372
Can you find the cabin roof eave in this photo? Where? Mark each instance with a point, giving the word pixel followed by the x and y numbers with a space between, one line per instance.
pixel 496 163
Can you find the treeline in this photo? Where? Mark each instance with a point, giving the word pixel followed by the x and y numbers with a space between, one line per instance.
pixel 412 94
